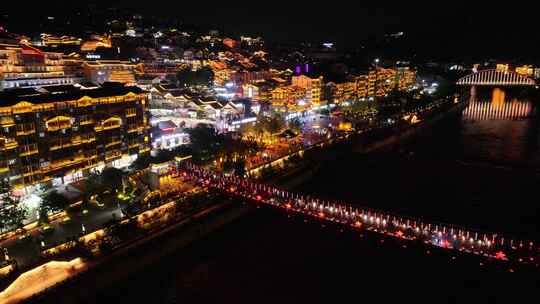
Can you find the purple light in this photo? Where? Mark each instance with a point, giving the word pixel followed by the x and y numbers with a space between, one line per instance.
pixel 307 67
pixel 298 69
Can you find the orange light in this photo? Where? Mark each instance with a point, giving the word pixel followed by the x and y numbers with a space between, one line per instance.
pixel 399 233
pixel 358 224
pixel 321 214
pixel 288 206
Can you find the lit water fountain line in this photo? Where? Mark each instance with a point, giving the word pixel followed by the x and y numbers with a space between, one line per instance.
pixel 490 245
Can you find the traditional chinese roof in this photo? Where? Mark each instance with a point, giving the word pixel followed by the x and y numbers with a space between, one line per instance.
pixel 64 93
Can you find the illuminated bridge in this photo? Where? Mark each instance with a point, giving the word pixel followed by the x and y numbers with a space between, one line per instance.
pixel 489 245
pixel 496 78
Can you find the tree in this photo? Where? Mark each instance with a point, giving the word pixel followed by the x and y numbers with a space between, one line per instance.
pixel 142 162
pixel 204 76
pixel 12 213
pixel 296 125
pixel 111 178
pixel 204 141
pixel 51 202
pixel 92 185
pixel 127 191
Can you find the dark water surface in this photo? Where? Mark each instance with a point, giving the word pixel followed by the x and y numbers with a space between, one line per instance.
pixel 480 169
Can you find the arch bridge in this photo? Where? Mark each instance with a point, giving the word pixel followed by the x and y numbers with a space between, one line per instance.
pixel 496 78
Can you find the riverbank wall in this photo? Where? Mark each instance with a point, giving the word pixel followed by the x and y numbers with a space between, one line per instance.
pixel 141 255
pixel 401 136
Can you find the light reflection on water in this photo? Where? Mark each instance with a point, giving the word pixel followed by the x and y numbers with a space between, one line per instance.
pixel 498 129
pixel 498 108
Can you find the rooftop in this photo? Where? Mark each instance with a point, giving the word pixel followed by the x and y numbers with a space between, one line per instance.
pixel 63 93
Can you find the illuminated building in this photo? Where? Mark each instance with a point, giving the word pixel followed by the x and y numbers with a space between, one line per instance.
pixel 526 70
pixel 502 67
pixel 313 87
pixel 25 66
pixel 110 71
pixel 405 78
pixel 242 77
pixel 250 91
pixel 231 43
pixel 59 134
pixel 285 96
pixel 537 73
pixel 222 76
pixel 362 86
pixel 51 40
pixel 381 81
pixel 166 135
pixel 343 91
pixel 95 42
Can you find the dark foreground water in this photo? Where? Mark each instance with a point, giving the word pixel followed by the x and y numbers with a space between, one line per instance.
pixel 269 257
pixel 479 169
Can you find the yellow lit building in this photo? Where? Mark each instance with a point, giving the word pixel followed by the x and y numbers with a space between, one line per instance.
pixel 381 81
pixel 288 95
pixel 405 78
pixel 313 87
pixel 95 42
pixel 502 67
pixel 110 70
pixel 250 91
pixel 344 91
pixel 526 70
pixel 60 134
pixel 52 40
pixel 26 66
pixel 362 86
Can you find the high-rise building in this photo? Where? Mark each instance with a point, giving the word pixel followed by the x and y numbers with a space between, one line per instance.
pixel 57 134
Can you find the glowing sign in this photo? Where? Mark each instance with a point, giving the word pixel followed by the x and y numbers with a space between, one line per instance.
pixel 245 120
pixel 93 56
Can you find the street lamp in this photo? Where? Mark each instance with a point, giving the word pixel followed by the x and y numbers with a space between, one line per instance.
pixel 83 228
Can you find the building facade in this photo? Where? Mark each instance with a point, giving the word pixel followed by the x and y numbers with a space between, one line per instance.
pixel 23 66
pixel 110 71
pixel 61 134
pixel 313 87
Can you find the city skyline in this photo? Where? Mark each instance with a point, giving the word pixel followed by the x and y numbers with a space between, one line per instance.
pixel 438 31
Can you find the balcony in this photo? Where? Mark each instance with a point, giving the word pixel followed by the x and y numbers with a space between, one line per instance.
pixel 29 152
pixel 113 155
pixel 26 132
pixel 10 144
pixel 59 146
pixel 113 143
pixel 87 122
pixel 7 122
pixel 134 128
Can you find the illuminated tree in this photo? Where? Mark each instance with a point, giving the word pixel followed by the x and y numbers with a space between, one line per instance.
pixel 12 213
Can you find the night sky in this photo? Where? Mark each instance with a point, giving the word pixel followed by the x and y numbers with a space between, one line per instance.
pixel 435 27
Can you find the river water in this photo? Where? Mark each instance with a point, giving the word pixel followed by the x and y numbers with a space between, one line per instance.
pixel 479 169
